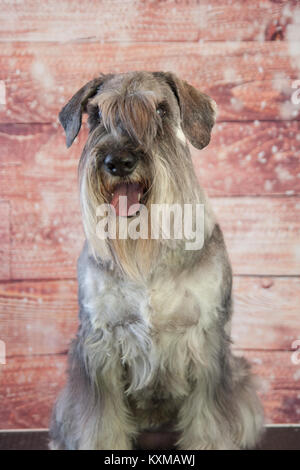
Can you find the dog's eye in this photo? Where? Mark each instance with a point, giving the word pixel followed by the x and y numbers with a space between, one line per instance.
pixel 161 111
pixel 100 115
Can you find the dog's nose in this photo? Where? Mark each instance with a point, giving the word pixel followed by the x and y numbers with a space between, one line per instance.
pixel 120 165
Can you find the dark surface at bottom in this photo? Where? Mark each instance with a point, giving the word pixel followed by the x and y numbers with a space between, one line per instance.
pixel 276 438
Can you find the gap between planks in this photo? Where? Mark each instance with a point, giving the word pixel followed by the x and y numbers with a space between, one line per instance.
pixel 62 279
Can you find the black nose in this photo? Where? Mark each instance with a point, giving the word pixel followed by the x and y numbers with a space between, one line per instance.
pixel 120 165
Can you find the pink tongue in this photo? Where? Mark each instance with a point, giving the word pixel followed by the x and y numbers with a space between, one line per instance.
pixel 130 196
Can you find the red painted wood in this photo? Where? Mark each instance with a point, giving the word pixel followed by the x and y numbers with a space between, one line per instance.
pixel 40 227
pixel 251 159
pixel 29 386
pixel 266 312
pixel 150 20
pixel 40 182
pixel 279 387
pixel 261 234
pixel 4 239
pixel 40 317
pixel 248 80
pixel 241 159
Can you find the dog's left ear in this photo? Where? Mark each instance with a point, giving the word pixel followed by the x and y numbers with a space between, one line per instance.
pixel 71 114
pixel 198 110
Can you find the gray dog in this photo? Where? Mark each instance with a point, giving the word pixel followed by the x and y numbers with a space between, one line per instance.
pixel 153 345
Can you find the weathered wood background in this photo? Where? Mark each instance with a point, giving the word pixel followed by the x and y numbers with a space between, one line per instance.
pixel 246 55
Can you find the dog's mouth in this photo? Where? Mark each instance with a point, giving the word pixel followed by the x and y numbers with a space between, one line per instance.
pixel 127 198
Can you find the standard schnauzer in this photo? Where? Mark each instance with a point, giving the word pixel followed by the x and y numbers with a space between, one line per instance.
pixel 153 346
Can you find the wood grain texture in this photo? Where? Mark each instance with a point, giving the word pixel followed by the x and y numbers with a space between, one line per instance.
pixel 279 385
pixel 150 20
pixel 241 159
pixel 40 317
pixel 40 182
pixel 260 158
pixel 248 80
pixel 266 312
pixel 262 234
pixel 4 239
pixel 246 56
pixel 29 386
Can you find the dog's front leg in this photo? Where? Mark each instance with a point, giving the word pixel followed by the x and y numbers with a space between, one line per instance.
pixel 113 428
pixel 91 412
pixel 201 425
pixel 223 411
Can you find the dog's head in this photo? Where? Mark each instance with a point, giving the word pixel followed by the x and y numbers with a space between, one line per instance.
pixel 197 111
pixel 139 124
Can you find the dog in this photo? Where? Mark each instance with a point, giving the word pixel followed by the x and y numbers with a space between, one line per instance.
pixel 153 347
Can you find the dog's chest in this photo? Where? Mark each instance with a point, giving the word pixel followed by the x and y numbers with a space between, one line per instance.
pixel 172 308
pixel 156 329
pixel 172 316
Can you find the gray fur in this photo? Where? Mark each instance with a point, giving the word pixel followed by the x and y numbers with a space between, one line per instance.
pixel 153 345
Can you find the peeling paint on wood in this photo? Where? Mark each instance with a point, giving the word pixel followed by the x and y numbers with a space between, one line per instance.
pixel 245 55
pixel 249 81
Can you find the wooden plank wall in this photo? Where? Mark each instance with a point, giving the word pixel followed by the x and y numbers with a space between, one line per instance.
pixel 246 55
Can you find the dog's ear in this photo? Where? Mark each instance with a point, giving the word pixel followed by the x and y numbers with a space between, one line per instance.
pixel 197 110
pixel 71 114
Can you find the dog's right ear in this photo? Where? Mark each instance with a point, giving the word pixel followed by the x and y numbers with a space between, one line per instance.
pixel 197 110
pixel 71 114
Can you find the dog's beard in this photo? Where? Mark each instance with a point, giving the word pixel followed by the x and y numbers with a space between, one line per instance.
pixel 170 180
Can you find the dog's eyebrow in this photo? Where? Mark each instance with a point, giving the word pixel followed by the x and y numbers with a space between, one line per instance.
pixel 141 92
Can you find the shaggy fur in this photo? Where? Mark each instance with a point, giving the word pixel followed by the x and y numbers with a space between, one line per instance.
pixel 153 345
